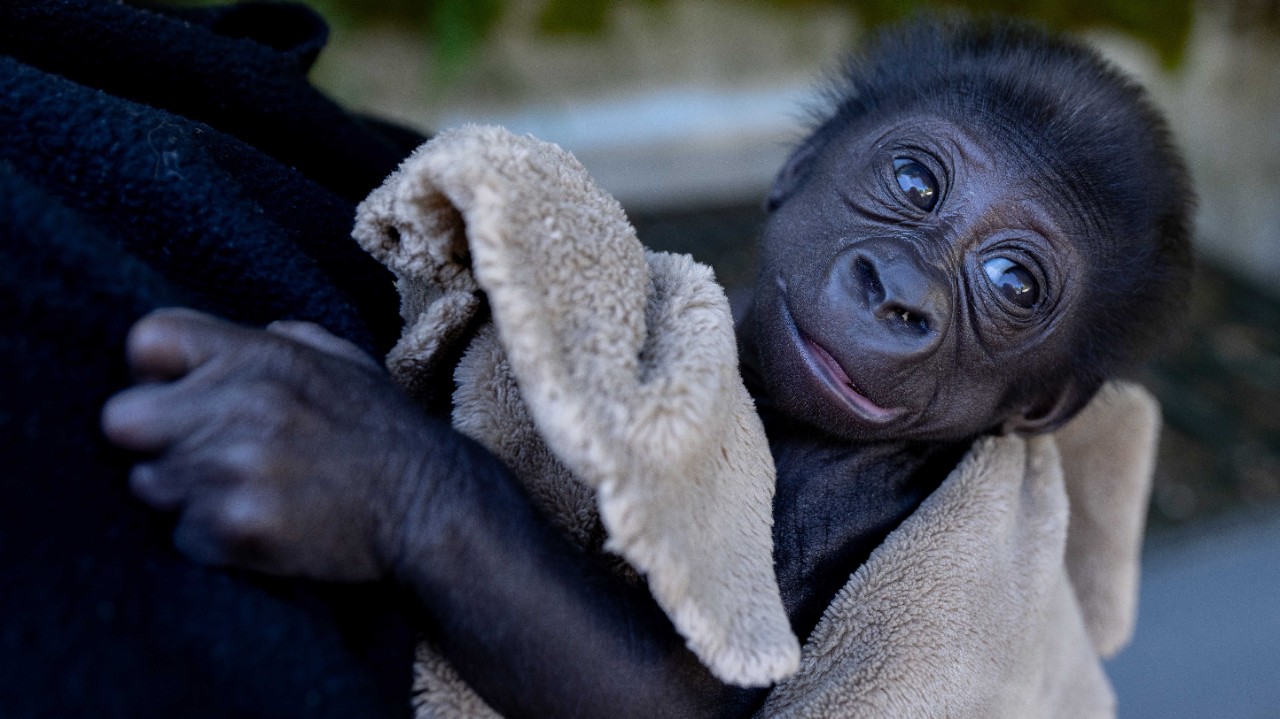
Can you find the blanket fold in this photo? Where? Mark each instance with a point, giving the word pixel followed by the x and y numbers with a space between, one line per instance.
pixel 606 378
pixel 995 598
pixel 605 368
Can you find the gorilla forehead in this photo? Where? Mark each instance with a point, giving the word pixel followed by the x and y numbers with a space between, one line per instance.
pixel 1084 131
pixel 1051 101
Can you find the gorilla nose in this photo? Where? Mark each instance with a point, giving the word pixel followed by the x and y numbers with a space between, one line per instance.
pixel 903 298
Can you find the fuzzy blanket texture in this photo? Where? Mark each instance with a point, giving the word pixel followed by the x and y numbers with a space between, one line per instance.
pixel 605 372
pixel 606 378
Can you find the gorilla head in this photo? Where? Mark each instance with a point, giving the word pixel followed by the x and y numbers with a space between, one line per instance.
pixel 986 220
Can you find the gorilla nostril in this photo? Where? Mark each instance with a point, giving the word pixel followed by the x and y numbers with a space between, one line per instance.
pixel 896 293
pixel 913 321
pixel 870 281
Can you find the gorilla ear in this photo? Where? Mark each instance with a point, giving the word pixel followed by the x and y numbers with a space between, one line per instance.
pixel 1053 409
pixel 792 174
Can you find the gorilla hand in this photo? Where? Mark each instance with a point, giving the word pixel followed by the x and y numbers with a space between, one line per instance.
pixel 286 451
pixel 289 452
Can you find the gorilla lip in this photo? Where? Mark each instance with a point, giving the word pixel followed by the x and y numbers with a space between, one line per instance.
pixel 836 376
pixel 825 366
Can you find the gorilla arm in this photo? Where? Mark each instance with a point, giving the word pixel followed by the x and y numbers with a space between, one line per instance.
pixel 290 452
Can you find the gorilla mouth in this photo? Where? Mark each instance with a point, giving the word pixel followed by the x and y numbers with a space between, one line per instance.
pixel 824 365
pixel 836 376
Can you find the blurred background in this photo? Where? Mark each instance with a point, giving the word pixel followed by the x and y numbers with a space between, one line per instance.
pixel 683 109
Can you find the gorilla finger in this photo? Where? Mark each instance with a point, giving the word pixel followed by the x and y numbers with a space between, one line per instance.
pixel 169 343
pixel 317 337
pixel 146 418
pixel 233 529
pixel 182 477
pixel 202 475
pixel 160 489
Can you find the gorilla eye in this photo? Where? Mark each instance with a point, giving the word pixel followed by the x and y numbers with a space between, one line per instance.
pixel 1013 281
pixel 917 183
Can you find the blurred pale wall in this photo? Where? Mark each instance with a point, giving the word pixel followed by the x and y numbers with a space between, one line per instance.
pixel 1223 103
pixel 682 103
pixel 695 101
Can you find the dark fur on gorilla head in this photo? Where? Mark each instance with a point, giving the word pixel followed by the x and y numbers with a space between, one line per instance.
pixel 1042 154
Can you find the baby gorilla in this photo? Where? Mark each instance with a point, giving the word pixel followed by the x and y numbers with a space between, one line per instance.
pixel 985 222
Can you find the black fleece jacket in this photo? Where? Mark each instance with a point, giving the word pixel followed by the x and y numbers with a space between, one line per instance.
pixel 156 157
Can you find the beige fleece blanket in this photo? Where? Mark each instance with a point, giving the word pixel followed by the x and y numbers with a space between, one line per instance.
pixel 606 378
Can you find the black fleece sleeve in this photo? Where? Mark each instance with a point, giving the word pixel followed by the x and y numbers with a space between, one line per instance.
pixel 149 159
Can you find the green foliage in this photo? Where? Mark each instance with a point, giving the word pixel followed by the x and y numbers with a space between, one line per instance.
pixel 457 27
pixel 454 28
pixel 1164 24
pixel 581 17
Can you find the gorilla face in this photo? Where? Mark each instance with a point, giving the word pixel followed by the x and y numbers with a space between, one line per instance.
pixel 919 282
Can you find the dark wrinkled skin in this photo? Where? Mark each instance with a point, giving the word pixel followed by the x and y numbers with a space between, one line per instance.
pixel 897 296
pixel 233 416
pixel 287 452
